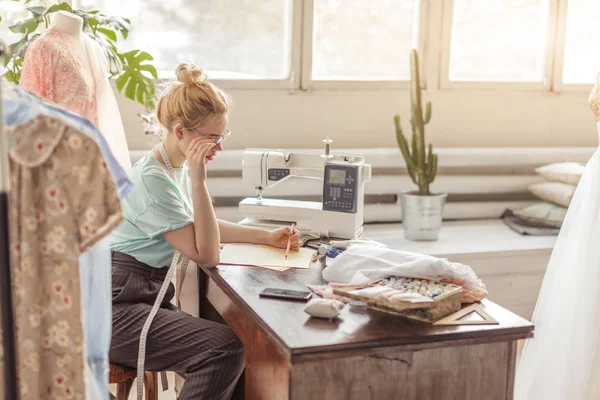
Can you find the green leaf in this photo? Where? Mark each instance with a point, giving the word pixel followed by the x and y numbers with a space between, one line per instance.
pixel 122 80
pixel 136 57
pixel 151 69
pixel 26 26
pixel 37 11
pixel 19 48
pixel 141 93
pixel 93 23
pixel 130 89
pixel 13 76
pixel 10 76
pixel 108 33
pixel 58 7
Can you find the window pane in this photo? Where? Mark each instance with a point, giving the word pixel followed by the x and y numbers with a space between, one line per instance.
pixel 363 39
pixel 12 12
pixel 232 39
pixel 582 56
pixel 498 40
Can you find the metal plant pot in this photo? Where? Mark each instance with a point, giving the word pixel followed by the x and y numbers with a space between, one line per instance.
pixel 422 215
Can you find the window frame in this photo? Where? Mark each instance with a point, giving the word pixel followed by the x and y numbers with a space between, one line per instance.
pixel 559 58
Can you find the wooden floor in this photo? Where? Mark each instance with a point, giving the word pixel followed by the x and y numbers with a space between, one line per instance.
pixel 511 265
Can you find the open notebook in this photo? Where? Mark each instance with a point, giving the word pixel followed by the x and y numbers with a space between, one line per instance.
pixel 265 256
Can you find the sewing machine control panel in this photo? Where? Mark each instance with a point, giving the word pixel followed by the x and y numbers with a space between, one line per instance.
pixel 340 189
pixel 277 174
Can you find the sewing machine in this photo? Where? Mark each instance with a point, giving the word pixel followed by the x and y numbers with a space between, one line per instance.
pixel 339 214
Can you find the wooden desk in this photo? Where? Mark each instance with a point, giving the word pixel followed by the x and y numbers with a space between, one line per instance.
pixel 365 354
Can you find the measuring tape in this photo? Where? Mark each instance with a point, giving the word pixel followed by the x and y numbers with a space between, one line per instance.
pixel 160 297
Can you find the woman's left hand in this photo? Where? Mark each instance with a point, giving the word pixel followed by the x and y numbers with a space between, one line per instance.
pixel 279 238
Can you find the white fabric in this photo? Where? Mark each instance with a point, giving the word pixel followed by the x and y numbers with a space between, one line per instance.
pixel 363 264
pixel 109 118
pixel 324 308
pixel 566 172
pixel 554 192
pixel 562 361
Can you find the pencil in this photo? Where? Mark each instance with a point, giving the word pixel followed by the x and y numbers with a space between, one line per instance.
pixel 287 249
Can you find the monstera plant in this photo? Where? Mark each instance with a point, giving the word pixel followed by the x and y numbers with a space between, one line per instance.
pixel 132 70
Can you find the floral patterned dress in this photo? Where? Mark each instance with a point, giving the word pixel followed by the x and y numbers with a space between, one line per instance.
pixel 62 201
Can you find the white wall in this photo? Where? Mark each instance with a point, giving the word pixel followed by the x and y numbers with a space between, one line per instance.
pixel 461 118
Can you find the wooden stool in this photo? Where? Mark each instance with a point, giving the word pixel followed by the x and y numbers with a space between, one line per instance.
pixel 124 378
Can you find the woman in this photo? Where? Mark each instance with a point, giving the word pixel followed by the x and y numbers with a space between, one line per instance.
pixel 162 215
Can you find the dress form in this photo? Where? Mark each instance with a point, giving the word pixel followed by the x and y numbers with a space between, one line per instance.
pixel 67 67
pixel 72 26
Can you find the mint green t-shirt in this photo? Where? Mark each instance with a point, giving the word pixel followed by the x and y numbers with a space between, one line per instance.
pixel 154 206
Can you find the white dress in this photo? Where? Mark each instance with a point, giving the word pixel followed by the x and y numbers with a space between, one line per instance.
pixel 562 361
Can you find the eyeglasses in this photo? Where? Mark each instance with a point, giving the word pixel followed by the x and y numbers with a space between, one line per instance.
pixel 218 140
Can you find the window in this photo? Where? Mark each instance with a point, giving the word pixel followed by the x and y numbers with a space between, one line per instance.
pixel 11 12
pixel 363 39
pixel 582 55
pixel 362 44
pixel 232 39
pixel 498 40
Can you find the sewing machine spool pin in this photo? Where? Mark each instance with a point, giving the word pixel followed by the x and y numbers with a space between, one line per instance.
pixel 327 142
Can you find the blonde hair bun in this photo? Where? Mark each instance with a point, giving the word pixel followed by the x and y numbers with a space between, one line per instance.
pixel 190 100
pixel 190 74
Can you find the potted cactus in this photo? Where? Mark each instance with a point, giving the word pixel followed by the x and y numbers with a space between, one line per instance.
pixel 422 211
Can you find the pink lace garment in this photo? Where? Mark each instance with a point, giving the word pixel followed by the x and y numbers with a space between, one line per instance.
pixel 53 71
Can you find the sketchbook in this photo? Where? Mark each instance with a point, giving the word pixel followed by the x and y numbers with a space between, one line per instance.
pixel 264 256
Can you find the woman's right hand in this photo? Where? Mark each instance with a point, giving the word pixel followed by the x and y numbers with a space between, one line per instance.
pixel 196 157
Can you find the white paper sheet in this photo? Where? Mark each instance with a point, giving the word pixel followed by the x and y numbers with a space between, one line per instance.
pixel 264 256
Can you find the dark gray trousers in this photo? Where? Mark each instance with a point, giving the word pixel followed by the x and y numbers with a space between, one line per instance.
pixel 208 353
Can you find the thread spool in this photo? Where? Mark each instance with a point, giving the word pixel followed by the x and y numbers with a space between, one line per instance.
pixel 327 153
pixel 340 244
pixel 322 250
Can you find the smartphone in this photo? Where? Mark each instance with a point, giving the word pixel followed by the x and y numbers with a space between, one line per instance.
pixel 286 294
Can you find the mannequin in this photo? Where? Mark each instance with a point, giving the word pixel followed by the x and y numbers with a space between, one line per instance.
pixel 72 26
pixel 69 68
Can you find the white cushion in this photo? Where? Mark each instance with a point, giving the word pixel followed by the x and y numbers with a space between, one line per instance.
pixel 543 213
pixel 554 192
pixel 566 172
